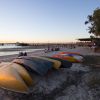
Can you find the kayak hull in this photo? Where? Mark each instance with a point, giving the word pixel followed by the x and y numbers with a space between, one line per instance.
pixel 56 63
pixel 64 63
pixel 34 64
pixel 11 80
pixel 21 70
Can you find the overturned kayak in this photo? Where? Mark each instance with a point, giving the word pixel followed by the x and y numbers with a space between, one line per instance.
pixel 56 63
pixel 34 64
pixel 21 70
pixel 10 79
pixel 65 57
pixel 64 63
pixel 70 56
pixel 74 53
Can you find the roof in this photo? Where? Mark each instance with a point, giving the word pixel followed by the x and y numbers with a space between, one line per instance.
pixel 84 39
pixel 89 39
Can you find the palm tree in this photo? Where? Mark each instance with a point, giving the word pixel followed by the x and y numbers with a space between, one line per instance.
pixel 94 22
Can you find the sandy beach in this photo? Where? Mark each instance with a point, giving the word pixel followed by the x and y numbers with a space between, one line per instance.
pixel 49 50
pixel 75 83
pixel 81 50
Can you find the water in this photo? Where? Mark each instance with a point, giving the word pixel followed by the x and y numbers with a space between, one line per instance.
pixel 4 53
pixel 9 46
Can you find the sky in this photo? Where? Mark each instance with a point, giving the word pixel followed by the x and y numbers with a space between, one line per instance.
pixel 44 20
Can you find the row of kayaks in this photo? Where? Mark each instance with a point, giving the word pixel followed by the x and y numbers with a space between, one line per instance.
pixel 15 75
pixel 70 56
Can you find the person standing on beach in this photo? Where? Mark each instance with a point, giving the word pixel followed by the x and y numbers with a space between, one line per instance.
pixel 20 54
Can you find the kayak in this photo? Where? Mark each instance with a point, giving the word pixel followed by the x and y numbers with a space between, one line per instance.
pixel 34 64
pixel 56 63
pixel 65 57
pixel 11 80
pixel 64 63
pixel 21 70
pixel 74 53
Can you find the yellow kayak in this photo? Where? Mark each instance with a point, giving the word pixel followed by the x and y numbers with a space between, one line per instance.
pixel 21 70
pixel 23 73
pixel 56 63
pixel 11 80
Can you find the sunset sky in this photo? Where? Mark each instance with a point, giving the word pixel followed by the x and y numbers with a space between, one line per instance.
pixel 44 20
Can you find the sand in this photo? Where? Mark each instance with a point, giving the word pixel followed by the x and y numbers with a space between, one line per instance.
pixel 75 83
pixel 11 57
pixel 81 50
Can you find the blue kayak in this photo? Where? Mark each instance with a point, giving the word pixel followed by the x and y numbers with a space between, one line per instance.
pixel 34 64
pixel 64 63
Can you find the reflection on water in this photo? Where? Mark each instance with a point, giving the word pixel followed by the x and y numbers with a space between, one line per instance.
pixel 9 46
pixel 2 53
pixel 17 52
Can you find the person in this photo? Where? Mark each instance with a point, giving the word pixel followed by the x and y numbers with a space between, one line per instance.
pixel 94 47
pixel 52 49
pixel 45 50
pixel 20 54
pixel 25 54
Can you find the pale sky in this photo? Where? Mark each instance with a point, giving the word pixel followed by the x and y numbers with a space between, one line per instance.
pixel 44 20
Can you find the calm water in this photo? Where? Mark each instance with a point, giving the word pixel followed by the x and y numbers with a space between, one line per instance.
pixel 2 53
pixel 9 46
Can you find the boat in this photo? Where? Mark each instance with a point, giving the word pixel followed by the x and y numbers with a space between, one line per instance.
pixel 21 70
pixel 34 65
pixel 66 57
pixel 11 80
pixel 64 63
pixel 56 63
pixel 75 55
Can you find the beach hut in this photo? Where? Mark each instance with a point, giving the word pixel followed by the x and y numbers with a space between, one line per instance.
pixel 93 42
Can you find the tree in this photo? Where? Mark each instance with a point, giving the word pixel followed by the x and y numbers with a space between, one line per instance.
pixel 94 22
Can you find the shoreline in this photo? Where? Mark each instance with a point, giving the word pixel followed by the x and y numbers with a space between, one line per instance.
pixel 74 82
pixel 81 50
pixel 20 48
pixel 11 57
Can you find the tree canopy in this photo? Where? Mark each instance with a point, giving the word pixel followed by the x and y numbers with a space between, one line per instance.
pixel 94 22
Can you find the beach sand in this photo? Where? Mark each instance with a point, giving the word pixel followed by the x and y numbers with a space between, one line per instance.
pixel 81 50
pixel 75 83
